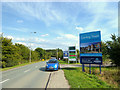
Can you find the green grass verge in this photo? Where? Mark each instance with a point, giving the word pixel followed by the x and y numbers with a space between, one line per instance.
pixel 65 62
pixel 79 79
pixel 7 68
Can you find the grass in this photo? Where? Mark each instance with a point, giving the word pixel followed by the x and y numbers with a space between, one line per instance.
pixel 7 68
pixel 110 75
pixel 66 62
pixel 79 79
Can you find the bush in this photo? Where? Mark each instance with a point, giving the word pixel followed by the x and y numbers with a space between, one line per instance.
pixel 3 64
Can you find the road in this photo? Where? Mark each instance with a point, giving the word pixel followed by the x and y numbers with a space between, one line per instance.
pixel 29 76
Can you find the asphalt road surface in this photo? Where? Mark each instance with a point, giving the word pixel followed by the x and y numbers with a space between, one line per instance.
pixel 29 76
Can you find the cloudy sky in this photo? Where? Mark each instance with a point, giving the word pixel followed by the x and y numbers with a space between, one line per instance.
pixel 57 24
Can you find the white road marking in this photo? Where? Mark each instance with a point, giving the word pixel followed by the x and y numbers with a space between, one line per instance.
pixel 27 70
pixel 4 80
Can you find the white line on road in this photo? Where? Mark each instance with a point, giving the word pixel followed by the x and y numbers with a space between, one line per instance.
pixel 27 70
pixel 4 80
pixel 36 66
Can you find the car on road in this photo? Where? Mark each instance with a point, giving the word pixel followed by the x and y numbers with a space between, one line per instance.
pixel 52 64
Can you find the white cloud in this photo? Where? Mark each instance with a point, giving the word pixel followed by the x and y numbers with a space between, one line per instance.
pixel 41 11
pixel 16 29
pixel 58 38
pixel 44 35
pixel 79 28
pixel 19 21
pixel 10 37
pixel 70 36
pixel 22 43
pixel 20 39
pixel 39 40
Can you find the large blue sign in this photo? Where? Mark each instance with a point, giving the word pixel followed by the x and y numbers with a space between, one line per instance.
pixel 65 54
pixel 90 48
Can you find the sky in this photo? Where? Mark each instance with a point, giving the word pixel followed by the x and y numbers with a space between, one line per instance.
pixel 57 24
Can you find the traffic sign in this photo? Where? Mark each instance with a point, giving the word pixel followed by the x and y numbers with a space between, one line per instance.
pixel 65 54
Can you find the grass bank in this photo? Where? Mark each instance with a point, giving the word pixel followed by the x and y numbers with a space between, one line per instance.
pixel 79 79
pixel 66 62
pixel 110 75
pixel 16 66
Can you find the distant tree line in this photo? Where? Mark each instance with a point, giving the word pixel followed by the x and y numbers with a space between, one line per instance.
pixel 58 53
pixel 15 54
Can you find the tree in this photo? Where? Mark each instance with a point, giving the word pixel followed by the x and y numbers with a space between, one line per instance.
pixel 104 48
pixel 24 51
pixel 34 56
pixel 60 53
pixel 40 52
pixel 10 53
pixel 114 49
pixel 54 52
pixel 78 54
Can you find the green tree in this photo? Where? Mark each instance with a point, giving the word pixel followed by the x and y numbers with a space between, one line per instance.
pixel 10 53
pixel 41 52
pixel 104 48
pixel 78 54
pixel 24 52
pixel 60 54
pixel 114 49
pixel 34 56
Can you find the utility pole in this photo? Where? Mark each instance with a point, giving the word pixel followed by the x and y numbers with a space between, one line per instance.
pixel 57 52
pixel 30 47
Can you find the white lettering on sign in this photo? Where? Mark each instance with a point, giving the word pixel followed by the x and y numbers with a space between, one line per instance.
pixel 95 36
pixel 89 37
pixel 85 37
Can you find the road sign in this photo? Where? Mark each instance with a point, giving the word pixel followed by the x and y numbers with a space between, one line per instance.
pixel 90 48
pixel 65 54
pixel 72 53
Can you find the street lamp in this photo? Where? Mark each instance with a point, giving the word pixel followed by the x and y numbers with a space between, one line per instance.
pixel 30 48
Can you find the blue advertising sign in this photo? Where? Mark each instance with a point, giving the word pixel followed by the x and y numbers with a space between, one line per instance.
pixel 65 54
pixel 90 48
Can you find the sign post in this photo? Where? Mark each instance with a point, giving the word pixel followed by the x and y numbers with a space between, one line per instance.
pixel 100 69
pixel 90 49
pixel 83 68
pixel 90 68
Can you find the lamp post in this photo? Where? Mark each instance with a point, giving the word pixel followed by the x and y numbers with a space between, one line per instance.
pixel 58 53
pixel 30 48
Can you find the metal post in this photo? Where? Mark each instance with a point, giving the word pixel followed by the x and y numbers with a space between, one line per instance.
pixel 100 68
pixel 83 68
pixel 57 54
pixel 30 51
pixel 30 48
pixel 30 54
pixel 90 68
